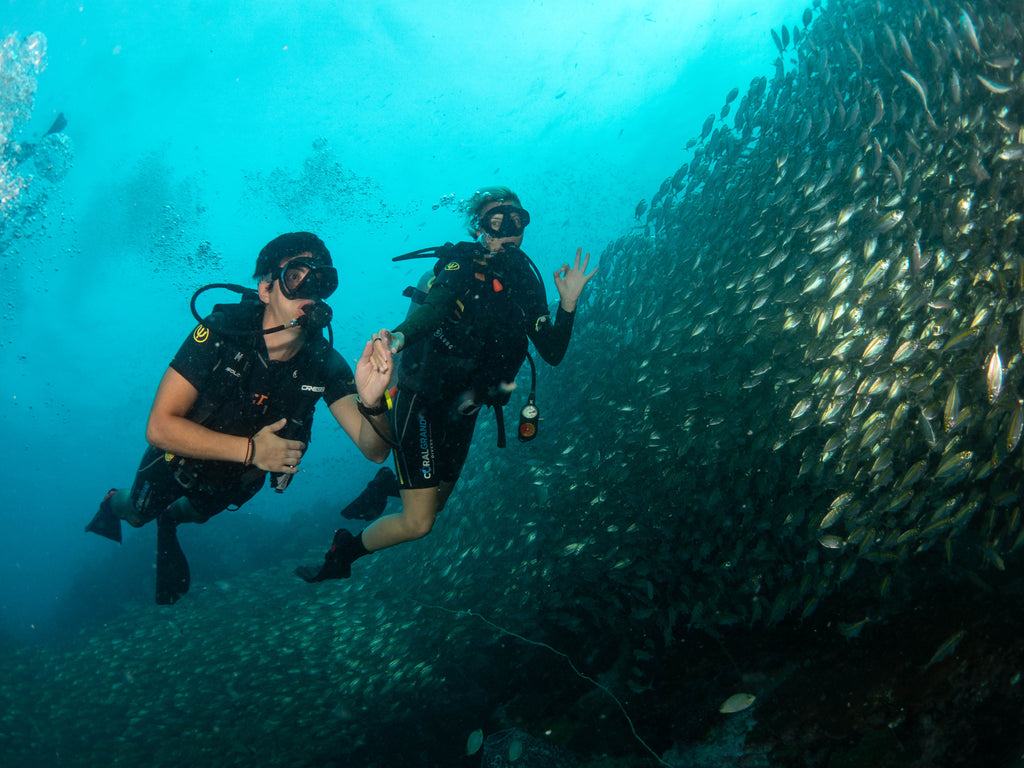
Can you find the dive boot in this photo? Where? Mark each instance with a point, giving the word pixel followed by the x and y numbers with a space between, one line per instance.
pixel 345 550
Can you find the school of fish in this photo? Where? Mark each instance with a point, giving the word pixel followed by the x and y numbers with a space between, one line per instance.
pixel 814 345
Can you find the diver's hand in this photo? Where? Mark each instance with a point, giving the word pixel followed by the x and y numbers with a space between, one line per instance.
pixel 385 345
pixel 381 350
pixel 394 341
pixel 570 281
pixel 276 454
pixel 373 371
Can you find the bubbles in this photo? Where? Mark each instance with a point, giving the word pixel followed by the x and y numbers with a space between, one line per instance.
pixel 53 157
pixel 27 170
pixel 33 51
pixel 155 215
pixel 447 201
pixel 323 192
pixel 20 62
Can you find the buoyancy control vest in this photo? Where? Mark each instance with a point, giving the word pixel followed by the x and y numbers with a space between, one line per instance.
pixel 482 343
pixel 243 393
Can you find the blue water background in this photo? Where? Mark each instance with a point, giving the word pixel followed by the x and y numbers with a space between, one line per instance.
pixel 184 118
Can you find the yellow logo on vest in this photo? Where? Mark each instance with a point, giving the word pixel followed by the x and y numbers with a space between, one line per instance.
pixel 451 266
pixel 200 334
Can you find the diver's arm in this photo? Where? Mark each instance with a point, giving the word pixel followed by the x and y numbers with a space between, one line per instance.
pixel 371 382
pixel 369 443
pixel 439 304
pixel 170 430
pixel 570 281
pixel 552 339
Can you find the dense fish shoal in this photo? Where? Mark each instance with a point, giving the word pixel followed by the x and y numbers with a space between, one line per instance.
pixel 804 370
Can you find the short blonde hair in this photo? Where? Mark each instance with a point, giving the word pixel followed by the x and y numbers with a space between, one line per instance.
pixel 482 198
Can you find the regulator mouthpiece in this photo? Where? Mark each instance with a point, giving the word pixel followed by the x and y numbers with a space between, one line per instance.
pixel 316 316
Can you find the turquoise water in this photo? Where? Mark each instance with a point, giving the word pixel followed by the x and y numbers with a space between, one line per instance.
pixel 192 123
pixel 779 465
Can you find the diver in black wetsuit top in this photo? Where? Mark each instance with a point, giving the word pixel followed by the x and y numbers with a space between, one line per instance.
pixel 462 350
pixel 237 402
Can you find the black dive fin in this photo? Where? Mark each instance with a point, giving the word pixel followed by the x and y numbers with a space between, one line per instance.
pixel 172 574
pixel 59 124
pixel 370 503
pixel 105 523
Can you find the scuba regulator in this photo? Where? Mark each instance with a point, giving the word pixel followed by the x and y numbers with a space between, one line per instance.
pixel 298 278
pixel 315 317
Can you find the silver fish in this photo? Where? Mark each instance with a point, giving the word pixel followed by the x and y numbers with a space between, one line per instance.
pixel 994 87
pixel 994 377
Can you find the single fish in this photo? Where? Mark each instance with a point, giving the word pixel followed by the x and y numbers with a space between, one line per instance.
pixel 1013 433
pixel 970 32
pixel 737 703
pixel 778 41
pixel 830 541
pixel 994 377
pixel 994 87
pixel 475 741
pixel 916 85
pixel 952 409
pixel 946 649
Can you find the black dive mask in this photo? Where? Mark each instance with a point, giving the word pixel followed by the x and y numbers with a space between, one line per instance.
pixel 306 279
pixel 504 221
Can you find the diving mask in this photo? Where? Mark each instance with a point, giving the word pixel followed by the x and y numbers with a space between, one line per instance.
pixel 504 221
pixel 306 279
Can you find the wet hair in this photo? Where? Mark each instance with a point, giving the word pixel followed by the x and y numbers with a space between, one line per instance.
pixel 285 247
pixel 482 198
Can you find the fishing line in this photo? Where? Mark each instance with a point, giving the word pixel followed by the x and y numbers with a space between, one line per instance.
pixel 569 661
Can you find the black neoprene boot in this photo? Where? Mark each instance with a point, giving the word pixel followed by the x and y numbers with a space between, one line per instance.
pixel 370 504
pixel 345 550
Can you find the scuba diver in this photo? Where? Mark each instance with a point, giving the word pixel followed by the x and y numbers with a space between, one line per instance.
pixel 461 351
pixel 237 402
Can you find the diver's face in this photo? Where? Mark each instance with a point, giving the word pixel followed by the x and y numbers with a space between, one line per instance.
pixel 271 293
pixel 491 220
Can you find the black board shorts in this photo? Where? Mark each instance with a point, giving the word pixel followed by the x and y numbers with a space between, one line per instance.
pixel 433 440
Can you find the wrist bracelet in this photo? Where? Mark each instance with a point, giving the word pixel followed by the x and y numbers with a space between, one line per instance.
pixel 367 411
pixel 250 452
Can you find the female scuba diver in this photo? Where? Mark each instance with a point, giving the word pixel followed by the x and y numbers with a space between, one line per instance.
pixel 461 350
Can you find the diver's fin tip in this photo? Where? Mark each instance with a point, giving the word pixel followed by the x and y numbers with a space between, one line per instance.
pixel 105 523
